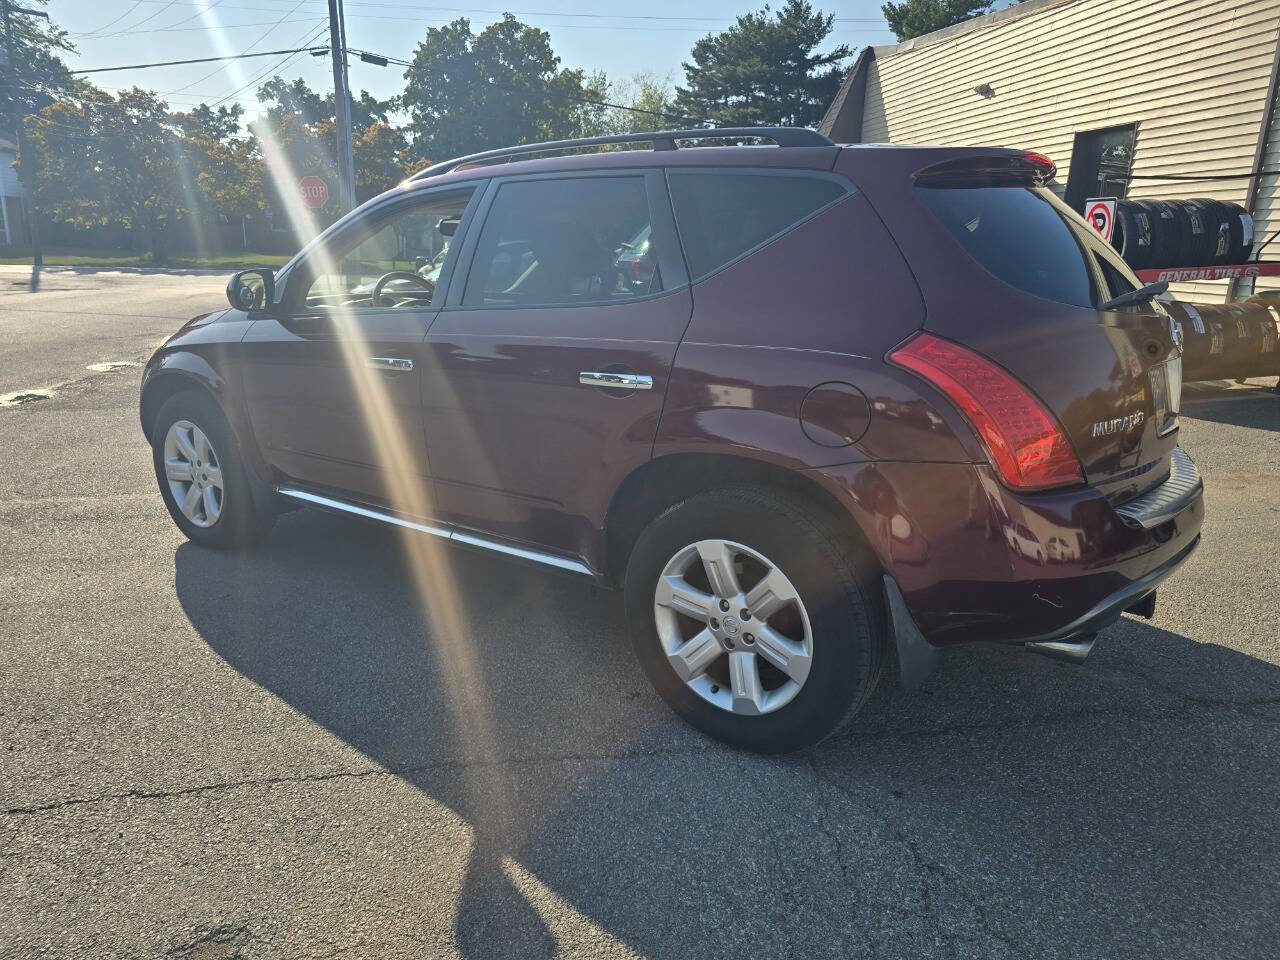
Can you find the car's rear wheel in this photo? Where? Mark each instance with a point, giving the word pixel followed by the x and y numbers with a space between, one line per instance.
pixel 201 475
pixel 755 619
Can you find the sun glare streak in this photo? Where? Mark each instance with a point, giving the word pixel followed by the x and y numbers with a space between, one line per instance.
pixel 409 495
pixel 191 196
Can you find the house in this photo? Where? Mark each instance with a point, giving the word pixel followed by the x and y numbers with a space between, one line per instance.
pixel 10 195
pixel 1139 98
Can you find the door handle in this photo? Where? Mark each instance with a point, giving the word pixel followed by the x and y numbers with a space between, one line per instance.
pixel 390 363
pixel 618 381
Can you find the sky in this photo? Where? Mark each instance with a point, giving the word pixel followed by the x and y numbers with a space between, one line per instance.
pixel 619 38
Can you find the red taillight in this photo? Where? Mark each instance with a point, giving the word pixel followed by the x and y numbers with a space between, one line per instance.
pixel 1023 440
pixel 1049 168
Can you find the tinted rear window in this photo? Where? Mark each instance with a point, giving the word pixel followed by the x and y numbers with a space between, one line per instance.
pixel 1028 238
pixel 723 215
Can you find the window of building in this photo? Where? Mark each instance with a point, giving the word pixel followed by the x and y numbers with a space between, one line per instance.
pixel 565 241
pixel 1101 161
pixel 722 216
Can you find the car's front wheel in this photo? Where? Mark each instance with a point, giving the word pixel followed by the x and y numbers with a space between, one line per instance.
pixel 755 619
pixel 201 475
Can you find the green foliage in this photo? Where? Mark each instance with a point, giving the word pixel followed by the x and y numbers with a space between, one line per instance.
pixel 103 159
pixel 381 155
pixel 126 160
pixel 42 77
pixel 914 18
pixel 222 124
pixel 764 70
pixel 467 92
pixel 651 99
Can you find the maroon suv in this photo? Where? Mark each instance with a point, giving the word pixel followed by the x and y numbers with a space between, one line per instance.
pixel 795 399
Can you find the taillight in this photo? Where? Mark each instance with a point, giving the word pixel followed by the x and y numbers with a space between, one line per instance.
pixel 1048 169
pixel 1023 440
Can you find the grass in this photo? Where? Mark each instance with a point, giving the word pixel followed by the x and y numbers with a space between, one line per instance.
pixel 80 257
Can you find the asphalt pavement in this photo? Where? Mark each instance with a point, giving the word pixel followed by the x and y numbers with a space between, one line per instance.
pixel 272 754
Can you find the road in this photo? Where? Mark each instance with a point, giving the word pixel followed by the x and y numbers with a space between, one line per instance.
pixel 269 754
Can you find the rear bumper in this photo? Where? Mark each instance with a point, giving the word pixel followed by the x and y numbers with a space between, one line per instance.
pixel 974 561
pixel 1108 610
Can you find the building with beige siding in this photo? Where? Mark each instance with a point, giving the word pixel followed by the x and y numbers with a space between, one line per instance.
pixel 1139 98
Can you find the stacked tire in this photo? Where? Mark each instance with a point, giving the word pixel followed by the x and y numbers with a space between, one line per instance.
pixel 1182 233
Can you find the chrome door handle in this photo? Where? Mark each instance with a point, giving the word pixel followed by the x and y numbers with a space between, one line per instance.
pixel 619 381
pixel 390 363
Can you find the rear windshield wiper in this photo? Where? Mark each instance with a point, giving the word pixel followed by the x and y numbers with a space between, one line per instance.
pixel 1141 295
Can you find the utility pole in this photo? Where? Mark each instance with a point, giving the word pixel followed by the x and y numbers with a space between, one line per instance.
pixel 341 106
pixel 28 185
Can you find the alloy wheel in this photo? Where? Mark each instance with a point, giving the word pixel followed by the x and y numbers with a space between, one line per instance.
pixel 733 627
pixel 194 473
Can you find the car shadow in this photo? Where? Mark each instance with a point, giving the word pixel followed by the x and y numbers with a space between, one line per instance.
pixel 1014 805
pixel 1256 405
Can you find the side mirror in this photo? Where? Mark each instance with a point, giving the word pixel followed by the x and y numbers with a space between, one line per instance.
pixel 252 289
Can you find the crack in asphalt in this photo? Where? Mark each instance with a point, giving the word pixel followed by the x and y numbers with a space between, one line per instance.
pixel 352 774
pixel 825 828
pixel 404 772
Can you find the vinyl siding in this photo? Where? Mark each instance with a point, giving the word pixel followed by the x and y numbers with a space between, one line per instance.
pixel 9 186
pixel 1192 74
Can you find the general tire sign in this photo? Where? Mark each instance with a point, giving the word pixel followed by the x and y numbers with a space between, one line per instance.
pixel 1100 213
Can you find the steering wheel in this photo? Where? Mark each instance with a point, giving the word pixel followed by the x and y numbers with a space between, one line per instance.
pixel 386 278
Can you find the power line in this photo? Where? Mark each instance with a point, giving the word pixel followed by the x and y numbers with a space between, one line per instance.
pixel 275 67
pixel 261 37
pixel 168 4
pixel 536 13
pixel 113 22
pixel 175 63
pixel 219 26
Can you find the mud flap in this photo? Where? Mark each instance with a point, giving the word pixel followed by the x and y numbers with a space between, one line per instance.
pixel 917 657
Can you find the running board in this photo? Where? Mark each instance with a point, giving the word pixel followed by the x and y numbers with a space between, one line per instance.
pixel 444 533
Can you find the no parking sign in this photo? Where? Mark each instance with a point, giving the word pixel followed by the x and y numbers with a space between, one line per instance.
pixel 1100 213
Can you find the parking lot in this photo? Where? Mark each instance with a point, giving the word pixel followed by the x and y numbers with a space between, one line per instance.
pixel 269 754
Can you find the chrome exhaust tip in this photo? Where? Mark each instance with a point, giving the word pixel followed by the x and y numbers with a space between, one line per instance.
pixel 1072 650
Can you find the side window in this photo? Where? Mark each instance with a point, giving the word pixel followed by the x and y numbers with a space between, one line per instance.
pixel 404 252
pixel 565 241
pixel 721 216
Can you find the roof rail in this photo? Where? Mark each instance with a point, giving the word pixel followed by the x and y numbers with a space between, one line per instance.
pixel 661 140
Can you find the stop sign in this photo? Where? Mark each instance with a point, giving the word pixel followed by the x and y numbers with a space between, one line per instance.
pixel 314 191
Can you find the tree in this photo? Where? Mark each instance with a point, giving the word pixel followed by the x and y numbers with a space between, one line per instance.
pixel 299 137
pixel 914 18
pixel 222 124
pixel 381 156
pixel 103 160
pixel 222 170
pixel 651 100
pixel 42 76
pixel 764 70
pixel 467 92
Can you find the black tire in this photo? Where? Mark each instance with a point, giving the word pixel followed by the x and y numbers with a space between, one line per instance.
pixel 837 581
pixel 1239 223
pixel 1217 242
pixel 1180 245
pixel 243 519
pixel 1134 234
pixel 1196 241
pixel 1164 240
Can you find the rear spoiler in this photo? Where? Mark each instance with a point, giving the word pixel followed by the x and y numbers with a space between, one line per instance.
pixel 1025 169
